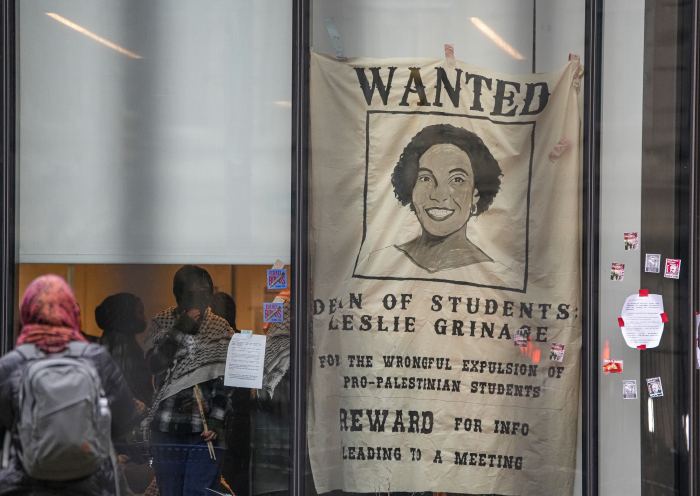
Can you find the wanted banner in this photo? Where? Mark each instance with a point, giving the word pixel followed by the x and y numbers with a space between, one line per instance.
pixel 445 255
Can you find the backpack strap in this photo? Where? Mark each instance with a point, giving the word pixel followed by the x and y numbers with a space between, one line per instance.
pixel 76 349
pixel 29 352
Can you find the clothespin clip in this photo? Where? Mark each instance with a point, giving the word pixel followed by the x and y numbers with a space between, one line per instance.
pixel 246 333
pixel 336 40
pixel 449 53
pixel 579 70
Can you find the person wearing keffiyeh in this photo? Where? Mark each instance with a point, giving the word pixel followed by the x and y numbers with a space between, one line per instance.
pixel 186 348
pixel 272 410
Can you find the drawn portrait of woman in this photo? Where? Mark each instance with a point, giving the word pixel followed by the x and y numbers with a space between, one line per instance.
pixel 446 175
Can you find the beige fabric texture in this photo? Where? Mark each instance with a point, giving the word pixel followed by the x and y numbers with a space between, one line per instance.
pixel 531 236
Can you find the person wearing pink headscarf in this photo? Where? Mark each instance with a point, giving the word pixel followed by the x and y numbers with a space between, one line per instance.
pixel 50 319
pixel 50 315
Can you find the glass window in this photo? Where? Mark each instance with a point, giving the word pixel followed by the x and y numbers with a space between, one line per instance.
pixel 445 233
pixel 154 179
pixel 645 320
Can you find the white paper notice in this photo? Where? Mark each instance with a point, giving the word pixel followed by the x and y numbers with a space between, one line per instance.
pixel 245 361
pixel 642 322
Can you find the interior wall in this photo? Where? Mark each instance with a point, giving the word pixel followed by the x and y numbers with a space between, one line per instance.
pixel 153 284
pixel 175 151
pixel 420 28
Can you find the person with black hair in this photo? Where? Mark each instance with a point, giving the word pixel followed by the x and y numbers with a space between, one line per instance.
pixel 186 349
pixel 447 177
pixel 224 306
pixel 121 318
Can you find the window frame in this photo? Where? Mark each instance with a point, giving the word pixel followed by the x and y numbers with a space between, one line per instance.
pixel 299 227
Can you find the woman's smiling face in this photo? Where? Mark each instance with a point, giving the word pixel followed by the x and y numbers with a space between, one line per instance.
pixel 444 191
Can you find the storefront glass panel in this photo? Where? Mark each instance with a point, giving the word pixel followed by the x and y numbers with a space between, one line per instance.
pixel 445 241
pixel 645 360
pixel 152 137
pixel 498 271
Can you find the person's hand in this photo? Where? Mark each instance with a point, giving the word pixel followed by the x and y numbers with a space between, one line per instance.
pixel 194 313
pixel 188 322
pixel 208 435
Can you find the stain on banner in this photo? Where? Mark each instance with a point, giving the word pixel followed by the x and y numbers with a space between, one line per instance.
pixel 440 228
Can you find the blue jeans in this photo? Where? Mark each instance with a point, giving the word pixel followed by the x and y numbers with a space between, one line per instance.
pixel 182 464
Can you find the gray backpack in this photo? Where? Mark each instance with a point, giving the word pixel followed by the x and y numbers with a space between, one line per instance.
pixel 64 423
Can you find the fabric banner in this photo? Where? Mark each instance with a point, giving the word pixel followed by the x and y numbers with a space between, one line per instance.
pixel 445 251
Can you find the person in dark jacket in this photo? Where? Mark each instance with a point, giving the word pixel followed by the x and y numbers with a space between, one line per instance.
pixel 50 320
pixel 121 317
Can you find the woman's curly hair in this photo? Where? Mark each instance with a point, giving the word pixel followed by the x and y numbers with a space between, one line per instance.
pixel 487 172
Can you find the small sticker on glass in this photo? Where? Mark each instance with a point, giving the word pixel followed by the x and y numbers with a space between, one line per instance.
pixel 521 337
pixel 556 352
pixel 652 263
pixel 276 279
pixel 612 366
pixel 617 271
pixel 654 387
pixel 629 389
pixel 631 241
pixel 273 312
pixel 673 268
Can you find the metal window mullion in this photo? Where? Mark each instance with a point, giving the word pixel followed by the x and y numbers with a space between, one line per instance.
pixel 692 284
pixel 591 216
pixel 7 176
pixel 300 295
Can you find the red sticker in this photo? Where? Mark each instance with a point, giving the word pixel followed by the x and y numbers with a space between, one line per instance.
pixel 643 292
pixel 612 366
pixel 664 317
pixel 620 322
pixel 642 347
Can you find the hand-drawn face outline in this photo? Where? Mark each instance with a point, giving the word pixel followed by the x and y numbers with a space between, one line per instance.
pixel 444 194
pixel 486 173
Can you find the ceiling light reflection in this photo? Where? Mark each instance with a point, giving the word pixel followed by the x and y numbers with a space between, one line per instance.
pixel 93 36
pixel 283 103
pixel 496 39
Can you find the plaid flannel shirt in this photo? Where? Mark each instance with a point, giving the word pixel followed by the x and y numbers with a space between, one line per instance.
pixel 179 414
